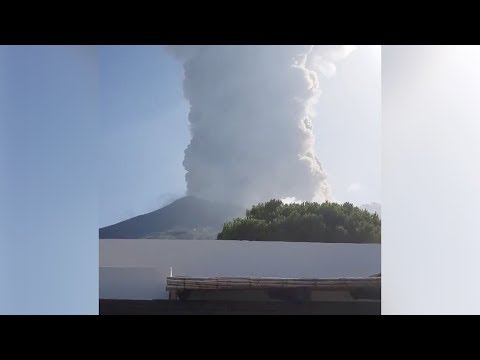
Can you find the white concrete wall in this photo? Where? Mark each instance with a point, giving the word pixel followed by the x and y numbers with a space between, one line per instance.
pixel 137 268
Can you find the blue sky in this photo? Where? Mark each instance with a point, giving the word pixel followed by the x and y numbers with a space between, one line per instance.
pixel 142 126
pixel 48 207
pixel 144 129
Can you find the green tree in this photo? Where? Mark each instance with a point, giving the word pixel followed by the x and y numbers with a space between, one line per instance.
pixel 308 221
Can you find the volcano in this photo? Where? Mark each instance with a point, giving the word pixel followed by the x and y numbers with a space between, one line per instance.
pixel 186 218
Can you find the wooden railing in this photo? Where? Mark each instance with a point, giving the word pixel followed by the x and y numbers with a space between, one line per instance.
pixel 239 283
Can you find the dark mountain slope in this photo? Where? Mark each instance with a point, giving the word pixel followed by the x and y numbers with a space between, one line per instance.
pixel 183 218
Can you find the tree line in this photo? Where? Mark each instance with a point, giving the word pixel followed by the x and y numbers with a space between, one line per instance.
pixel 307 222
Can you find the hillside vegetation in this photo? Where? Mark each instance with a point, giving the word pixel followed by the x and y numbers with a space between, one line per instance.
pixel 307 221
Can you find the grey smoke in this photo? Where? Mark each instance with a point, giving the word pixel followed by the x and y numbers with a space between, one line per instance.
pixel 251 121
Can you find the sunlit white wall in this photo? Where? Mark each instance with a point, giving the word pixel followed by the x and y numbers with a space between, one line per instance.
pixel 431 178
pixel 137 268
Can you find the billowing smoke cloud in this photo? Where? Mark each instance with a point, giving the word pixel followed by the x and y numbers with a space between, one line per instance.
pixel 251 110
